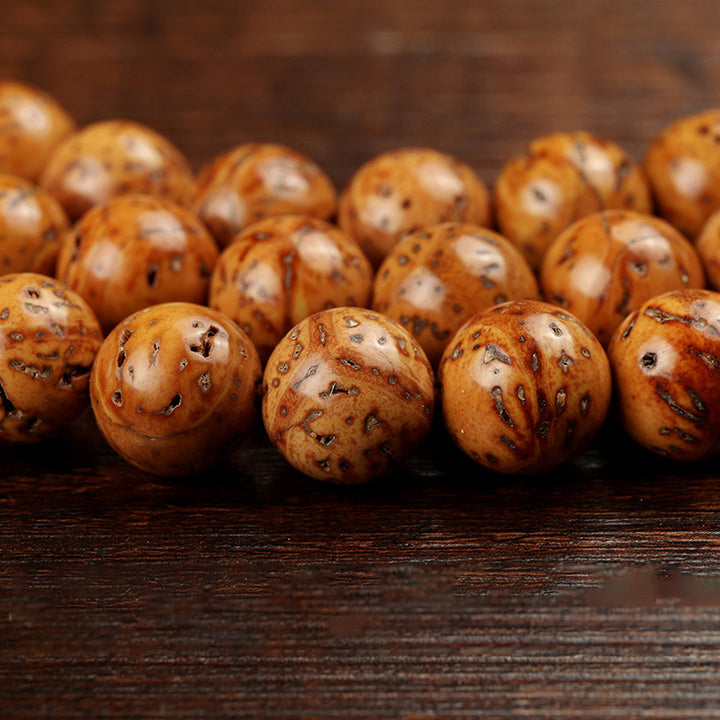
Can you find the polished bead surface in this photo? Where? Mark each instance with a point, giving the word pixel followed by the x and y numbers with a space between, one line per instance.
pixel 605 265
pixel 136 251
pixel 115 157
pixel 32 226
pixel 560 178
pixel 32 123
pixel 259 180
pixel 173 388
pixel 348 395
pixel 665 360
pixel 405 189
pixel 525 387
pixel 436 278
pixel 280 270
pixel 707 245
pixel 49 337
pixel 683 166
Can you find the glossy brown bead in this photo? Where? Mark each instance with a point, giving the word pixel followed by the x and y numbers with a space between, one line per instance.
pixel 32 225
pixel 708 248
pixel 405 189
pixel 683 166
pixel 436 278
pixel 665 359
pixel 525 387
pixel 280 270
pixel 605 265
pixel 348 395
pixel 173 388
pixel 116 157
pixel 137 251
pixel 49 338
pixel 560 178
pixel 32 123
pixel 259 180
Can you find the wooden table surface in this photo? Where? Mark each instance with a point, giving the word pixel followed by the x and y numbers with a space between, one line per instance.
pixel 443 591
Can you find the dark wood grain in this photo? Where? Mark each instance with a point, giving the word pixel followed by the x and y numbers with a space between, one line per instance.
pixel 443 590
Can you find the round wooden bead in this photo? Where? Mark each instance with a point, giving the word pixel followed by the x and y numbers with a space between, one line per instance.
pixel 49 337
pixel 525 387
pixel 173 388
pixel 280 270
pixel 136 251
pixel 560 178
pixel 605 265
pixel 32 225
pixel 665 360
pixel 436 278
pixel 32 123
pixel 115 157
pixel 405 189
pixel 348 395
pixel 259 180
pixel 708 248
pixel 683 166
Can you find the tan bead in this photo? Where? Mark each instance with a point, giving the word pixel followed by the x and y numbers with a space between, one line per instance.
pixel 259 180
pixel 525 387
pixel 665 360
pixel 48 340
pixel 605 265
pixel 280 270
pixel 560 178
pixel 683 166
pixel 32 225
pixel 136 251
pixel 348 395
pixel 404 190
pixel 173 388
pixel 436 278
pixel 116 157
pixel 708 248
pixel 31 125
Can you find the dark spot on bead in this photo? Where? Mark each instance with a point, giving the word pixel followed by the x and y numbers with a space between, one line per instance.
pixel 170 408
pixel 584 404
pixel 648 360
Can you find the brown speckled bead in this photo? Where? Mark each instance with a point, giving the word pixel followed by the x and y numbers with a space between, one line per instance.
pixel 560 178
pixel 49 338
pixel 116 157
pixel 280 270
pixel 137 251
pixel 405 189
pixel 708 248
pixel 436 278
pixel 173 388
pixel 348 395
pixel 259 180
pixel 31 124
pixel 32 224
pixel 683 166
pixel 525 387
pixel 665 359
pixel 605 265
